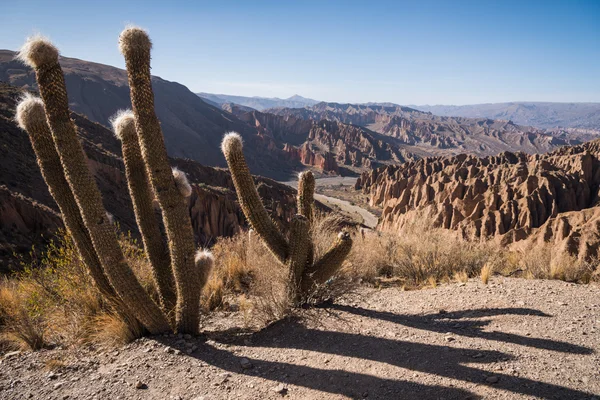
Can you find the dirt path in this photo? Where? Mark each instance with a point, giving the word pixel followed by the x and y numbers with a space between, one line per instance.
pixel 512 339
pixel 368 218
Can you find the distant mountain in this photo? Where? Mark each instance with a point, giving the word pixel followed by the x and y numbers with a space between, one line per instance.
pixel 192 128
pixel 538 114
pixel 259 103
pixel 424 134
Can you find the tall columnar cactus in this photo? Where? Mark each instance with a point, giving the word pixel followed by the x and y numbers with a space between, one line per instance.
pixel 297 253
pixel 180 274
pixel 135 46
pixel 142 197
pixel 40 54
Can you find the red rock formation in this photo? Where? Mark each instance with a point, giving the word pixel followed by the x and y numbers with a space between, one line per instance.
pixel 506 195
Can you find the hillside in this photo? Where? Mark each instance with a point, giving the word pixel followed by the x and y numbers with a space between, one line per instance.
pixel 258 103
pixel 538 114
pixel 29 216
pixel 192 128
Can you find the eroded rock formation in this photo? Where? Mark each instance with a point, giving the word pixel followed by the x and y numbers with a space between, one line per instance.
pixel 512 195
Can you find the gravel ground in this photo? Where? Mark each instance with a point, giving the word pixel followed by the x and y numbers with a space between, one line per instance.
pixel 511 339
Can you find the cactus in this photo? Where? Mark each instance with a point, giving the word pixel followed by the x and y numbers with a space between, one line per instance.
pixel 135 46
pixel 123 124
pixel 297 253
pixel 40 54
pixel 180 274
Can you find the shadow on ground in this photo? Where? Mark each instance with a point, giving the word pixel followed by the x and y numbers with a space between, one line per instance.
pixel 444 361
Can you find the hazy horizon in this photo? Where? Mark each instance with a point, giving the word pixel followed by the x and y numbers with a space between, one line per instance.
pixel 431 53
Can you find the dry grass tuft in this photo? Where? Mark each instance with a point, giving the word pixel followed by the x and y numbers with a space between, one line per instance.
pixel 486 273
pixel 53 300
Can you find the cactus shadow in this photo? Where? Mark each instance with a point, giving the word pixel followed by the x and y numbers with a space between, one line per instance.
pixel 462 323
pixel 455 363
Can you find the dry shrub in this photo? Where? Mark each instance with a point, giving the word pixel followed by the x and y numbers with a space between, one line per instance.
pixel 544 262
pixel 419 256
pixel 23 326
pixel 486 273
pixel 53 301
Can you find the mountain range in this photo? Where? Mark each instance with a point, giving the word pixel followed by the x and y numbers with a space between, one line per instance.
pixel 538 114
pixel 257 103
pixel 279 141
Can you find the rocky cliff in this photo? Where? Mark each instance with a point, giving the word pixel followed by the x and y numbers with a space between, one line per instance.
pixel 29 216
pixel 512 195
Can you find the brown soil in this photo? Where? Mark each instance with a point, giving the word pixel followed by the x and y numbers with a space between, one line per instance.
pixel 512 339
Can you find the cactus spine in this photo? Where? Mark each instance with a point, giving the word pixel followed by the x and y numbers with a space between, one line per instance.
pixel 141 195
pixel 297 254
pixel 135 46
pixel 43 57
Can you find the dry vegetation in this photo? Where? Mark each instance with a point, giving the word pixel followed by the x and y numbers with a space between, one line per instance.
pixel 53 302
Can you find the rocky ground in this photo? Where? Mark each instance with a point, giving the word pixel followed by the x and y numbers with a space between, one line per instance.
pixel 511 339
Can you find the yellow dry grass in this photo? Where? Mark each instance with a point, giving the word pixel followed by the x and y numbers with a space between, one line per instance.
pixel 53 301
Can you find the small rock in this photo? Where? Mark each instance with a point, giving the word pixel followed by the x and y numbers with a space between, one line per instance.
pixel 52 376
pixel 141 385
pixel 245 363
pixel 58 385
pixel 520 303
pixel 492 379
pixel 168 349
pixel 449 339
pixel 281 389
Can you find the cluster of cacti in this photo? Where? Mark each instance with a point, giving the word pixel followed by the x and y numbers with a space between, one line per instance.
pixel 179 271
pixel 297 252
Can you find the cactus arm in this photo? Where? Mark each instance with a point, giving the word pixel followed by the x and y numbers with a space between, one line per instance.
pixel 32 119
pixel 142 197
pixel 328 264
pixel 299 249
pixel 43 57
pixel 250 201
pixel 204 261
pixel 306 194
pixel 135 46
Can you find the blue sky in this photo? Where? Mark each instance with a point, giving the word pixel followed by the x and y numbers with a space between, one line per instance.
pixel 407 52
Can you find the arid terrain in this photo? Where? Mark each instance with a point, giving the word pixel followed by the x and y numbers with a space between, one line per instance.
pixel 511 339
pixel 201 246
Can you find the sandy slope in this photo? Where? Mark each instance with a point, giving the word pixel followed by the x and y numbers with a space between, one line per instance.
pixel 513 339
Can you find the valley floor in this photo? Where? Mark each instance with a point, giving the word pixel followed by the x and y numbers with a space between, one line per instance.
pixel 511 339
